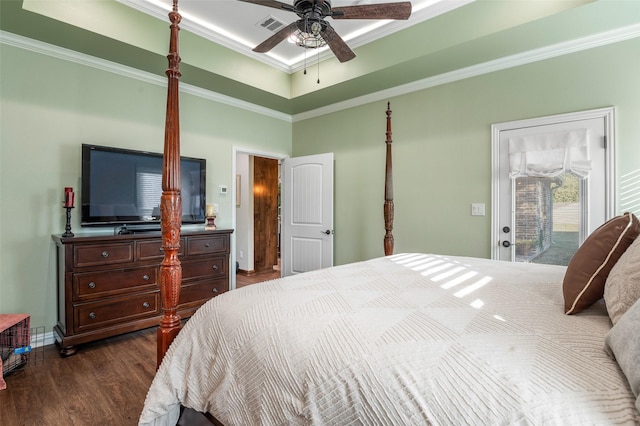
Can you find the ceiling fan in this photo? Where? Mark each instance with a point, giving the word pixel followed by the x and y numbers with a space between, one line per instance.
pixel 315 31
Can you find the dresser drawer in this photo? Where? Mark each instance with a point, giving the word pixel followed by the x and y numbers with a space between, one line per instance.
pixel 92 285
pixel 212 267
pixel 148 250
pixel 206 245
pixel 102 254
pixel 201 292
pixel 116 310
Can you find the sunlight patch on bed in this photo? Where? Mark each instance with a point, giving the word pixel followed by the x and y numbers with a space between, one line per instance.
pixel 447 274
pixel 473 287
pixel 459 280
pixel 436 268
pixel 425 265
pixel 421 263
pixel 478 304
pixel 403 259
pixel 451 273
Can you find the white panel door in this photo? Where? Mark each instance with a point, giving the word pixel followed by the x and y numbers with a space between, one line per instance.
pixel 541 219
pixel 307 213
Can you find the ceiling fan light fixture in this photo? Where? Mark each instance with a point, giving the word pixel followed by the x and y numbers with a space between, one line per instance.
pixel 309 34
pixel 307 40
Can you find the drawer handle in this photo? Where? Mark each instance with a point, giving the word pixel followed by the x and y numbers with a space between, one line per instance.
pixel 207 245
pixel 145 305
pixel 105 254
pixel 92 315
pixel 145 277
pixel 92 285
pixel 215 290
pixel 214 267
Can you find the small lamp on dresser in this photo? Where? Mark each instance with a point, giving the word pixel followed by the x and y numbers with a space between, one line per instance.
pixel 210 218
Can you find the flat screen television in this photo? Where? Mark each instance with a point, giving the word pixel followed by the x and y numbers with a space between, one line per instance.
pixel 123 187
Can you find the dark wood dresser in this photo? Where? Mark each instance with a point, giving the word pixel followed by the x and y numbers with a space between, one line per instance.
pixel 108 284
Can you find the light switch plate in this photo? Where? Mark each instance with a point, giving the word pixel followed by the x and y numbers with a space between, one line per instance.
pixel 477 209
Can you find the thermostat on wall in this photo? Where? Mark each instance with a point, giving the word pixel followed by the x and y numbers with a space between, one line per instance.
pixel 223 189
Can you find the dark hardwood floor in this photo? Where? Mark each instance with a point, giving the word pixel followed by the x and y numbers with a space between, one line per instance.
pixel 105 382
pixel 243 280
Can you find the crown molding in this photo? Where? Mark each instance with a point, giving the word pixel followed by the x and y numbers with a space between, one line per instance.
pixel 58 52
pixel 535 55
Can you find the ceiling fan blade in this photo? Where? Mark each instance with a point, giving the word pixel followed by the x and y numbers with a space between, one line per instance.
pixel 271 3
pixel 275 39
pixel 337 45
pixel 399 10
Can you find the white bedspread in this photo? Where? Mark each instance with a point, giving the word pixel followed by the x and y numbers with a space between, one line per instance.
pixel 402 340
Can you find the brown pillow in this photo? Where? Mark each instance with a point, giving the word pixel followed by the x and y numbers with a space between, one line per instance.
pixel 583 283
pixel 622 287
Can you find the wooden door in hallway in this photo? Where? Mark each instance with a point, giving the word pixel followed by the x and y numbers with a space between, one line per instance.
pixel 265 213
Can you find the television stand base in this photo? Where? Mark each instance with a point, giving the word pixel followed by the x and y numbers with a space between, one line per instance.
pixel 135 229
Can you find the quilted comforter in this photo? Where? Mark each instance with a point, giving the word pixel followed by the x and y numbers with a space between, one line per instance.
pixel 400 340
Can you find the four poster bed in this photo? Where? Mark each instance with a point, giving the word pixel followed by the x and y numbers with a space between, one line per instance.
pixel 407 338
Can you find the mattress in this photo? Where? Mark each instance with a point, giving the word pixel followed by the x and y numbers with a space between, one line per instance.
pixel 406 339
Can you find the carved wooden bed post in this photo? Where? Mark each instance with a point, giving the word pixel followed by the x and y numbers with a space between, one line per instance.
pixel 388 191
pixel 171 200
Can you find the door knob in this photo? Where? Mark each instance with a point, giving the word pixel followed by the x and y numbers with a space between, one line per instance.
pixel 328 232
pixel 506 244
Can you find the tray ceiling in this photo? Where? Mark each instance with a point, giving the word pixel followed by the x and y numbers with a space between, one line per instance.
pixel 242 26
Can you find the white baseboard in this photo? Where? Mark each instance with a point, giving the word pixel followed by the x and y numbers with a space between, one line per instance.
pixel 44 339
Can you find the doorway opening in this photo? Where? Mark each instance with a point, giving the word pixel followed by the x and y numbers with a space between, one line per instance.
pixel 257 218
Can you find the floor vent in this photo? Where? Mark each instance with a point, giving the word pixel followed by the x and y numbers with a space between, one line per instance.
pixel 270 23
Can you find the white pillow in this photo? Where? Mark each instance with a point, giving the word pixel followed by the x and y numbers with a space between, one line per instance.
pixel 623 343
pixel 622 287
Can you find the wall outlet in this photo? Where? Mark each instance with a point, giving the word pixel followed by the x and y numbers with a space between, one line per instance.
pixel 477 209
pixel 241 254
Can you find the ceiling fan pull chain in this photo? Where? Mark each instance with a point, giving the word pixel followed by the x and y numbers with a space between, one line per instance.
pixel 304 46
pixel 305 61
pixel 318 66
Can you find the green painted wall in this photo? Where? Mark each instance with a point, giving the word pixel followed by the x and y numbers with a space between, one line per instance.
pixel 49 107
pixel 442 149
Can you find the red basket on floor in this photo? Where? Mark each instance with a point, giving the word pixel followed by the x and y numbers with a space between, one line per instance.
pixel 15 342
